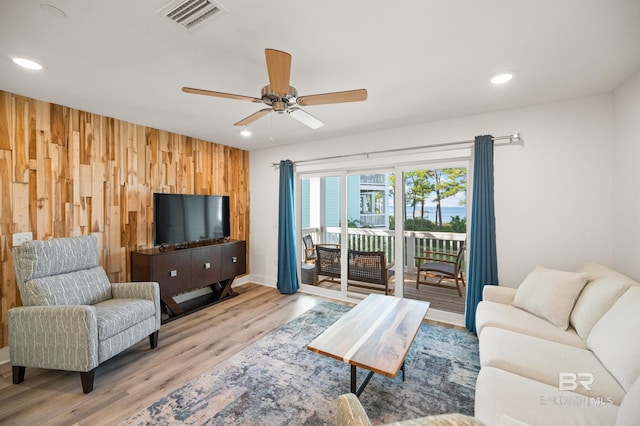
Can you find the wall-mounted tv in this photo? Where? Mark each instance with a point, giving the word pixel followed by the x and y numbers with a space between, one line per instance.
pixel 183 218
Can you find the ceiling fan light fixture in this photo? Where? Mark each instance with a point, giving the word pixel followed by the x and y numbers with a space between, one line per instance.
pixel 279 107
pixel 502 78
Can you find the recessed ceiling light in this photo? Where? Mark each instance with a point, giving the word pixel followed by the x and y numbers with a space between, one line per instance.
pixel 246 133
pixel 27 63
pixel 501 78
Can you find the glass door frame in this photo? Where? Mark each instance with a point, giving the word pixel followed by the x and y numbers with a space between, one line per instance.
pixel 400 205
pixel 313 289
pixel 419 161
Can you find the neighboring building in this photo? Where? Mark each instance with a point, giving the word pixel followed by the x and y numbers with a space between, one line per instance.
pixel 373 194
pixel 367 201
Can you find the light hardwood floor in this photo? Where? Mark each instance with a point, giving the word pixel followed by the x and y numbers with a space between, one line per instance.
pixel 139 376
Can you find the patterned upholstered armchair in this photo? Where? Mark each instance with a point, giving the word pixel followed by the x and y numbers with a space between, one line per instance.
pixel 72 317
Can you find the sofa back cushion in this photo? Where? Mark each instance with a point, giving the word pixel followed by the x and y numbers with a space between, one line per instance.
pixel 604 289
pixel 550 294
pixel 62 271
pixel 614 338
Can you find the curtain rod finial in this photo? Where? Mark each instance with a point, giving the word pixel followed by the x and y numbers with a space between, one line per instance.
pixel 516 138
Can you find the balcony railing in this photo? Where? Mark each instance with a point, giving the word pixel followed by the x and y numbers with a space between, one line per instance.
pixel 371 219
pixel 415 242
pixel 374 179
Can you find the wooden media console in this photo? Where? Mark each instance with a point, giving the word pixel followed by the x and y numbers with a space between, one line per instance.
pixel 186 269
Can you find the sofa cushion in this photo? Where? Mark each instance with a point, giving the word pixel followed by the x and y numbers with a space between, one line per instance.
pixel 614 338
pixel 116 315
pixel 494 293
pixel 629 412
pixel 83 287
pixel 508 317
pixel 550 294
pixel 545 361
pixel 605 287
pixel 499 393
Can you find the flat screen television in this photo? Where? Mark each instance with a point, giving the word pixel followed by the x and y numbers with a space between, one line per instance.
pixel 184 218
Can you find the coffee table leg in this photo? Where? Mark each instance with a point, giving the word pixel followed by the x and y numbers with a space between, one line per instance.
pixel 364 383
pixel 402 368
pixel 353 379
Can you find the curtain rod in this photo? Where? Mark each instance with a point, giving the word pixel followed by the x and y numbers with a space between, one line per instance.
pixel 513 138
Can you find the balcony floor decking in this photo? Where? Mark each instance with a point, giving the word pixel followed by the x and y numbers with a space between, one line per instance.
pixel 442 299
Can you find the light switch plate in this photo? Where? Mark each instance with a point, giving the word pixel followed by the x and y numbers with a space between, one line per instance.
pixel 21 237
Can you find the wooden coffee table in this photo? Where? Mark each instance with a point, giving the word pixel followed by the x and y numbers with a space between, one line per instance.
pixel 375 335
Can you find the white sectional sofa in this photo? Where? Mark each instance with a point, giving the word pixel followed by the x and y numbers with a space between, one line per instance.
pixel 562 349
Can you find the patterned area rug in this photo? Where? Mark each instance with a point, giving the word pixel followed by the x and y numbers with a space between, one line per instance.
pixel 277 381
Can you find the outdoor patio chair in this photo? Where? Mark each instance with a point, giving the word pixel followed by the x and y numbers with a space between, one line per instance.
pixel 366 269
pixel 310 248
pixel 369 269
pixel 327 262
pixel 440 265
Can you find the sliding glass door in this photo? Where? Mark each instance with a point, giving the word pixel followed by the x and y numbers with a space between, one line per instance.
pixel 344 218
pixel 368 231
pixel 435 227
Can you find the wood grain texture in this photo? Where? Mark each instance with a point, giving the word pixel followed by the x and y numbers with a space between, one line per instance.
pixel 375 335
pixel 66 172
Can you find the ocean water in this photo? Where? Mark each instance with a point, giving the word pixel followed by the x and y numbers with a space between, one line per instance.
pixel 430 213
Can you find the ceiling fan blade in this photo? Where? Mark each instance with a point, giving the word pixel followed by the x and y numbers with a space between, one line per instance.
pixel 305 118
pixel 279 68
pixel 253 117
pixel 220 94
pixel 333 98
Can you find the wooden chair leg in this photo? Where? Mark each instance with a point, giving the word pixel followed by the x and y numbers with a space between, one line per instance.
pixel 153 339
pixel 458 287
pixel 86 377
pixel 18 374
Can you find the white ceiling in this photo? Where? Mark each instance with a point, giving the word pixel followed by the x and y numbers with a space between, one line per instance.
pixel 419 60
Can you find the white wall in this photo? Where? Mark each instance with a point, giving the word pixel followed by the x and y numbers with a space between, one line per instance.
pixel 553 196
pixel 626 188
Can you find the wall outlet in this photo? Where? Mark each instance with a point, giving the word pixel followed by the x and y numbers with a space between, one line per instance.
pixel 21 237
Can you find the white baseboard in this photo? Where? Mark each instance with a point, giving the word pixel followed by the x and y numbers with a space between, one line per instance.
pixel 4 355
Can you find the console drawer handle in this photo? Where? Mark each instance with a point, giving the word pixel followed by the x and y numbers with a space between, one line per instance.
pixel 173 273
pixel 207 265
pixel 234 259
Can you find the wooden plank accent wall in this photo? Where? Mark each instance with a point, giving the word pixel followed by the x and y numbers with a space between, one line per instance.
pixel 65 172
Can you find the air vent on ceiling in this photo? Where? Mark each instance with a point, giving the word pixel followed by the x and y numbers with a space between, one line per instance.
pixel 191 13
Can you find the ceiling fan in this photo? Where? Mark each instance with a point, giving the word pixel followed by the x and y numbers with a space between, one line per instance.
pixel 281 97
